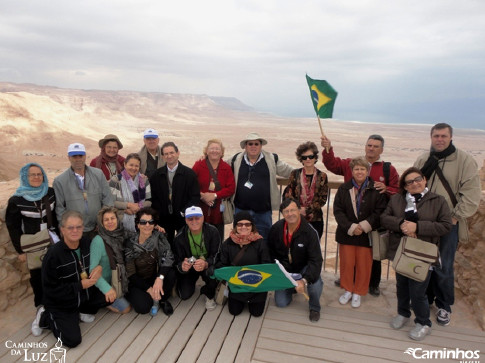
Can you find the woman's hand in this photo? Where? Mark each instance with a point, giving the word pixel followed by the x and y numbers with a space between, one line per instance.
pixel 157 289
pixel 110 295
pixel 200 265
pixel 133 207
pixel 358 231
pixel 208 198
pixel 87 283
pixel 160 229
pixel 96 273
pixel 409 228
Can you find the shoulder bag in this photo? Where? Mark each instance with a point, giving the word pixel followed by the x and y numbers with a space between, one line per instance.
pixel 379 241
pixel 414 258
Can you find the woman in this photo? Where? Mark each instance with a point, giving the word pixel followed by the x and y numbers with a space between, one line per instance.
pixel 245 246
pixel 216 182
pixel 108 160
pixel 149 261
pixel 107 251
pixel 357 207
pixel 419 213
pixel 130 190
pixel 30 210
pixel 309 186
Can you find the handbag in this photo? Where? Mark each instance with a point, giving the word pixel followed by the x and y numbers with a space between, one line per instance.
pixel 116 281
pixel 379 241
pixel 35 246
pixel 228 213
pixel 414 258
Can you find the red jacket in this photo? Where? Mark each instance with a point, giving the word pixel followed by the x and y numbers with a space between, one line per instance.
pixel 341 167
pixel 228 186
pixel 105 169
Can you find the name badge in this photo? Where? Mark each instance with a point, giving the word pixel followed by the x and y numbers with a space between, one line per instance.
pixel 248 184
pixel 43 226
pixel 222 208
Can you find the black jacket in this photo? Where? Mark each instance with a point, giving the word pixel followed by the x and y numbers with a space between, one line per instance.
pixel 61 279
pixel 212 242
pixel 304 248
pixel 185 192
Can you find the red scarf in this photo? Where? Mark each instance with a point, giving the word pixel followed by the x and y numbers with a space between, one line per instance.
pixel 244 240
pixel 104 158
pixel 307 191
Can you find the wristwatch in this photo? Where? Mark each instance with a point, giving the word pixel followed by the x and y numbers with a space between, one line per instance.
pixel 161 277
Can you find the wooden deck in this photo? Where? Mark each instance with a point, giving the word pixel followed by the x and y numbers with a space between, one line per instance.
pixel 193 334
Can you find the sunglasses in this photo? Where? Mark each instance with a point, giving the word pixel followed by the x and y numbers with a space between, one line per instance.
pixel 415 180
pixel 253 143
pixel 311 157
pixel 144 222
pixel 244 224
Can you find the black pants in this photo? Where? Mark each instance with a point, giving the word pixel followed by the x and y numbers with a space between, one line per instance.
pixel 36 283
pixel 186 284
pixel 375 275
pixel 237 306
pixel 65 323
pixel 318 225
pixel 171 224
pixel 142 301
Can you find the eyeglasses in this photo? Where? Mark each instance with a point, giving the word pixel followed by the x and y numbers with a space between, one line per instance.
pixel 288 211
pixel 244 224
pixel 37 175
pixel 253 143
pixel 311 157
pixel 415 180
pixel 191 219
pixel 144 222
pixel 74 228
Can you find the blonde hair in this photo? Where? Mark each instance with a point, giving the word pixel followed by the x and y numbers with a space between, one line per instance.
pixel 213 141
pixel 360 161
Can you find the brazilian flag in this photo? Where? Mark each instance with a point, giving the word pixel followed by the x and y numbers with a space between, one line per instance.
pixel 323 97
pixel 254 278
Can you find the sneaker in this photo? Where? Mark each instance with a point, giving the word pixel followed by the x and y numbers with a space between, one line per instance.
pixel 337 282
pixel 86 318
pixel 374 291
pixel 36 329
pixel 167 308
pixel 419 332
pixel 210 304
pixel 398 322
pixel 154 310
pixel 345 298
pixel 355 301
pixel 314 316
pixel 443 317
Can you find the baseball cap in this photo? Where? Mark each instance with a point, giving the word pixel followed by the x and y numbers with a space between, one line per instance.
pixel 76 149
pixel 150 133
pixel 193 212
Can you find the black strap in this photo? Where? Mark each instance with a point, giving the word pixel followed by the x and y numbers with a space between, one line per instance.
pixel 386 169
pixel 213 175
pixel 48 211
pixel 239 255
pixel 233 160
pixel 446 185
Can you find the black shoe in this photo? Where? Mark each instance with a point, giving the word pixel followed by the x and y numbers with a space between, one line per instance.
pixel 337 282
pixel 166 307
pixel 314 316
pixel 374 291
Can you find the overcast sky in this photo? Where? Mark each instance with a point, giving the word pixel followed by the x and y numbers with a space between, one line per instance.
pixel 413 61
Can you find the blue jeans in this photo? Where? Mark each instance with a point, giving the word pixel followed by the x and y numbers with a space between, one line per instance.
pixel 262 220
pixel 410 290
pixel 443 279
pixel 282 298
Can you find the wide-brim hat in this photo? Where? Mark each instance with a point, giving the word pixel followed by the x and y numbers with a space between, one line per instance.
pixel 251 137
pixel 110 137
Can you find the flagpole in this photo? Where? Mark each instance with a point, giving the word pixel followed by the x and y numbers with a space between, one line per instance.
pixel 321 130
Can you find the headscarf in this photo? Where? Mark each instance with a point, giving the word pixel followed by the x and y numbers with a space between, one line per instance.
pixel 243 240
pixel 104 158
pixel 28 192
pixel 434 157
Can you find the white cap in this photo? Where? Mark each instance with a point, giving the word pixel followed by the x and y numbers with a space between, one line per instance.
pixel 193 212
pixel 76 149
pixel 150 133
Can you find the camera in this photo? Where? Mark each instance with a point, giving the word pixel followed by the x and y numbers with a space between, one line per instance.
pixel 192 260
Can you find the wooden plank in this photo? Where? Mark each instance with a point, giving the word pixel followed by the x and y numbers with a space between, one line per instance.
pixel 204 329
pixel 233 338
pixel 270 356
pixel 216 338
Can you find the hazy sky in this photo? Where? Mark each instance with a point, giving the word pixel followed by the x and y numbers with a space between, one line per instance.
pixel 416 61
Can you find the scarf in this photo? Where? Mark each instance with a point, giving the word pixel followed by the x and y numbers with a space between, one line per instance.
pixel 28 192
pixel 135 249
pixel 307 191
pixel 244 240
pixel 434 157
pixel 411 212
pixel 360 192
pixel 133 191
pixel 104 158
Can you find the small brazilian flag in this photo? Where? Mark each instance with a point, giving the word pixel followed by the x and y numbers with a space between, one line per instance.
pixel 254 278
pixel 323 97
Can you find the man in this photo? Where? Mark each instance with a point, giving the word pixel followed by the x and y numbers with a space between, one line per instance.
pixel 295 243
pixel 384 175
pixel 69 292
pixel 150 153
pixel 174 188
pixel 109 161
pixel 255 172
pixel 196 250
pixel 81 188
pixel 452 173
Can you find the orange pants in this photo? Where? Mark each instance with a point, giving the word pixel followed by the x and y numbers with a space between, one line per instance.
pixel 355 260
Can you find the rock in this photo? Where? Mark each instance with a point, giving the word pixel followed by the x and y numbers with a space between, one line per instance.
pixel 3 211
pixel 2 252
pixel 12 278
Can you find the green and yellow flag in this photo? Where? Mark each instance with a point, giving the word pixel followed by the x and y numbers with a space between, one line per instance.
pixel 323 97
pixel 255 278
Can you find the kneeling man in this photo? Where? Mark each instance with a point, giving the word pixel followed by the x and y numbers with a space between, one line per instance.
pixel 69 292
pixel 295 243
pixel 196 248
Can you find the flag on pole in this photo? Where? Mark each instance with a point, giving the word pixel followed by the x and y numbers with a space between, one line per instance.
pixel 255 278
pixel 323 97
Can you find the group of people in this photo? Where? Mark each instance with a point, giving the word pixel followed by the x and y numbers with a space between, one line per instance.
pixel 157 226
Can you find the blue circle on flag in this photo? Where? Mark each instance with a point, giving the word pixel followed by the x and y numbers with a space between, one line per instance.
pixel 250 277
